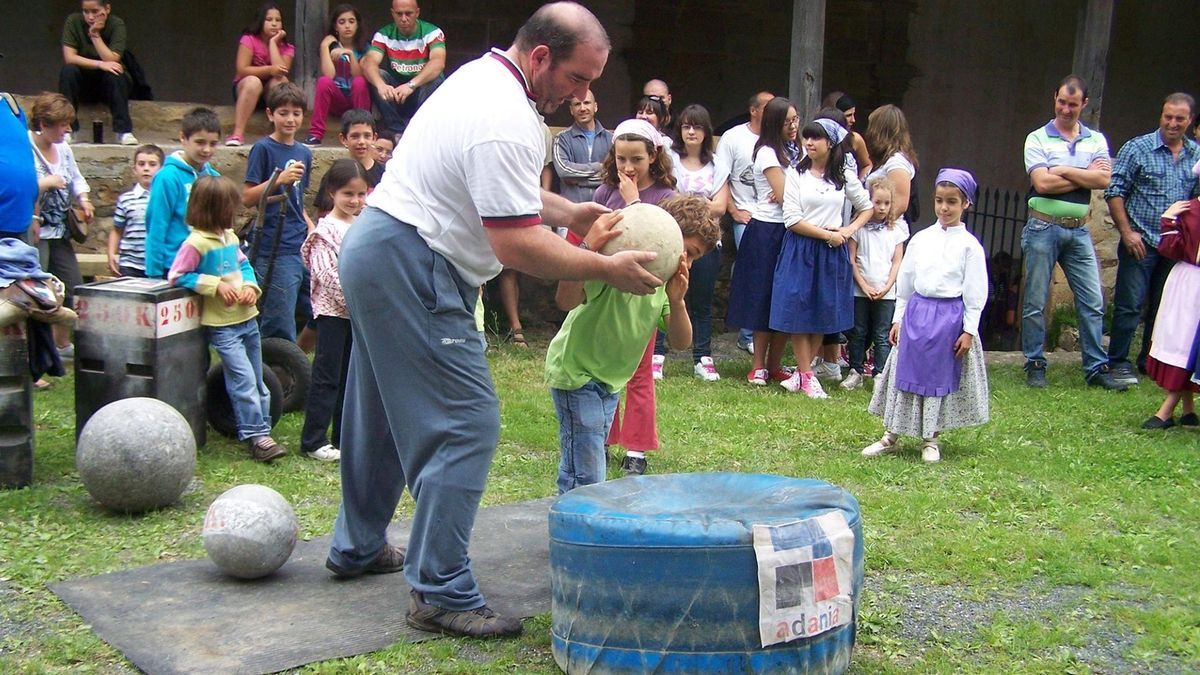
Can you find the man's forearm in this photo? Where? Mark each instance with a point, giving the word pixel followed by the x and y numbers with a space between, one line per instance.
pixel 1091 179
pixel 1116 207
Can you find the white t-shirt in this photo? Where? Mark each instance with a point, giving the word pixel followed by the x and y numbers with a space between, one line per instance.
pixel 734 162
pixel 896 161
pixel 462 166
pixel 764 209
pixel 811 199
pixel 700 182
pixel 876 245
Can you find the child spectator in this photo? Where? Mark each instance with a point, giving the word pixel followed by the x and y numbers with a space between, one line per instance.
pixel 285 110
pixel 210 263
pixel 166 210
pixel 875 254
pixel 384 144
pixel 1175 327
pixel 601 342
pixel 264 59
pixel 346 184
pixel 341 86
pixel 358 135
pixel 636 169
pixel 127 238
pixel 936 378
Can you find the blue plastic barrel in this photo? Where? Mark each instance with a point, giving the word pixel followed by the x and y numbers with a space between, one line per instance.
pixel 658 574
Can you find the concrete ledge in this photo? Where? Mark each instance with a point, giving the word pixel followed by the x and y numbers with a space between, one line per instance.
pixel 155 121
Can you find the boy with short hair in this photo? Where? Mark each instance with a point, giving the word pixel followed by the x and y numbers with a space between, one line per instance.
pixel 604 337
pixel 358 135
pixel 385 144
pixel 166 209
pixel 127 238
pixel 285 110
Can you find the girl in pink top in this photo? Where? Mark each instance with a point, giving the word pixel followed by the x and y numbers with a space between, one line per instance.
pixel 264 58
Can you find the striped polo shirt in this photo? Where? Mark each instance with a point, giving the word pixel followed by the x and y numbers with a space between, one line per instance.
pixel 405 55
pixel 1046 147
pixel 130 218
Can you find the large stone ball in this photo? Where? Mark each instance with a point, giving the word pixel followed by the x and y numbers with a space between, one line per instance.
pixel 646 227
pixel 136 454
pixel 250 531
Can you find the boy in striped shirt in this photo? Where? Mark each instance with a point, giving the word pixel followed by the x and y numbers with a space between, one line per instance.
pixel 127 238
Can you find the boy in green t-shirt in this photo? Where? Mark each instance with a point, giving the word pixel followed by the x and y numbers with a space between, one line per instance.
pixel 604 336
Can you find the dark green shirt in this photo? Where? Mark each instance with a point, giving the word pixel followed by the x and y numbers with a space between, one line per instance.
pixel 75 34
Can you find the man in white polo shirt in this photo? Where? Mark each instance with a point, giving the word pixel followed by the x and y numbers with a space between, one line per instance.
pixel 460 199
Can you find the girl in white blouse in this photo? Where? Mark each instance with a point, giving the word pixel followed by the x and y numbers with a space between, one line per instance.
pixel 935 378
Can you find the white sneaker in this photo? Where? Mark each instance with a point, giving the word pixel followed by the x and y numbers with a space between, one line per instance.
pixel 930 452
pixel 127 139
pixel 705 370
pixel 812 386
pixel 748 346
pixel 828 371
pixel 882 446
pixel 656 366
pixel 325 453
pixel 793 383
pixel 853 381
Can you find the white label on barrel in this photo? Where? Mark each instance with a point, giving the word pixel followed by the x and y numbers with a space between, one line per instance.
pixel 805 577
pixel 114 316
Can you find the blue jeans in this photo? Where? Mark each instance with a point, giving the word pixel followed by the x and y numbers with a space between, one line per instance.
pixel 279 311
pixel 699 302
pixel 745 335
pixel 1044 245
pixel 395 116
pixel 584 417
pixel 1139 285
pixel 240 349
pixel 872 321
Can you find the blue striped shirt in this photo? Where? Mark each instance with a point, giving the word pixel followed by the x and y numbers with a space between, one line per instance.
pixel 1149 178
pixel 130 218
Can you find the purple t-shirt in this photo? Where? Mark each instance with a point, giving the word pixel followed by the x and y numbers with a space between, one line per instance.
pixel 260 52
pixel 611 196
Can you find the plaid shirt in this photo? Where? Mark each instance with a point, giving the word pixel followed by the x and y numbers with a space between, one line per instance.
pixel 1149 178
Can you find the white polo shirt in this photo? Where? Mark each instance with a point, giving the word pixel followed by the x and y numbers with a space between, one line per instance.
pixel 471 158
pixel 734 162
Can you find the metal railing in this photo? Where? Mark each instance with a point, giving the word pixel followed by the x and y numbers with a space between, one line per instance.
pixel 996 220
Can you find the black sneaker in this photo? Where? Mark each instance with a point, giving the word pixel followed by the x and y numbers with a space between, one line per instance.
pixel 1155 422
pixel 390 559
pixel 633 466
pixel 1122 373
pixel 312 141
pixel 1035 375
pixel 1103 378
pixel 478 622
pixel 1189 420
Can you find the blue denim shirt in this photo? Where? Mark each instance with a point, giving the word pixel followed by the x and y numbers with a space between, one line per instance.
pixel 1149 178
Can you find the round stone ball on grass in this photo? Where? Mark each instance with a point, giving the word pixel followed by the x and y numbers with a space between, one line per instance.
pixel 250 531
pixel 136 454
pixel 646 227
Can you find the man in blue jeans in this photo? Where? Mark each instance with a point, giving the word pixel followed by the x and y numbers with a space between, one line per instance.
pixel 1065 161
pixel 1151 172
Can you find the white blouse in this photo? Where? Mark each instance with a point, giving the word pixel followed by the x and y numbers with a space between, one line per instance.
pixel 811 199
pixel 944 263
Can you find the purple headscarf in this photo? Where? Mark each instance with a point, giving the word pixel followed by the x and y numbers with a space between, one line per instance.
pixel 959 178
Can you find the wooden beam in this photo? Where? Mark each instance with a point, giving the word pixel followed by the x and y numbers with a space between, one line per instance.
pixel 808 54
pixel 310 28
pixel 1092 36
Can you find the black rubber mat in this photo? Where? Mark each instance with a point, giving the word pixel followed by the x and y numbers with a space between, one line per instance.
pixel 186 617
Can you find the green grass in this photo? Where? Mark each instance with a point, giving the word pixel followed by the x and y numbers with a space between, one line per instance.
pixel 1057 538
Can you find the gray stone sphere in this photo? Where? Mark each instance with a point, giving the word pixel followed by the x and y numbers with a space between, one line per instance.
pixel 250 531
pixel 646 227
pixel 136 454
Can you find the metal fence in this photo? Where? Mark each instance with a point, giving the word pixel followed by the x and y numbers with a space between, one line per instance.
pixel 997 221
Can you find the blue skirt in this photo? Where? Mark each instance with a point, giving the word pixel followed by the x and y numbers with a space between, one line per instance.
pixel 814 288
pixel 750 287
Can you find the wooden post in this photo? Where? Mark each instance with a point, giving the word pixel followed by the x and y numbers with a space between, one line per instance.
pixel 1092 35
pixel 808 53
pixel 310 28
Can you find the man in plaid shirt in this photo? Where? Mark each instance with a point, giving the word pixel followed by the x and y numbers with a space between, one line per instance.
pixel 1151 172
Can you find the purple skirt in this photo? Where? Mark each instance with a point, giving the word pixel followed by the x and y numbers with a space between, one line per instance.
pixel 926 365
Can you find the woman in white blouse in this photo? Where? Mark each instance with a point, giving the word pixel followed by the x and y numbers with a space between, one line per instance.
pixel 890 145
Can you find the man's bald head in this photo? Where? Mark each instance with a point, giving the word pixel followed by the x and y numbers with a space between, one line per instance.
pixel 562 26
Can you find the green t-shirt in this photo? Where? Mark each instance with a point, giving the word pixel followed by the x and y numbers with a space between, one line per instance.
pixel 604 338
pixel 75 34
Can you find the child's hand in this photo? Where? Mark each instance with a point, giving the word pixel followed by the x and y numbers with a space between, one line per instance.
pixel 963 345
pixel 773 199
pixel 627 188
pixel 292 174
pixel 279 71
pixel 604 230
pixel 894 335
pixel 677 285
pixel 226 293
pixel 113 266
pixel 247 296
pixel 279 36
pixel 1175 209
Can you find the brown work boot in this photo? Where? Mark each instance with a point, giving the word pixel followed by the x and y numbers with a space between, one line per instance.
pixel 478 622
pixel 389 559
pixel 265 449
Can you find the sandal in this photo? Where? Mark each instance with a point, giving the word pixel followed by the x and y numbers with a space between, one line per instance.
pixel 517 338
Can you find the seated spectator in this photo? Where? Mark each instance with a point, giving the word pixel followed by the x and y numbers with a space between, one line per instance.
pixel 264 58
pixel 93 43
pixel 404 64
pixel 580 149
pixel 341 86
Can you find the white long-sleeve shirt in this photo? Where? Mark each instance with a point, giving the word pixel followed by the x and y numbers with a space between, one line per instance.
pixel 944 263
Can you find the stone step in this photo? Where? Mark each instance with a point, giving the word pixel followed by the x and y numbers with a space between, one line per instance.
pixel 156 121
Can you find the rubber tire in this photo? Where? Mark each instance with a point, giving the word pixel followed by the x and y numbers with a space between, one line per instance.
pixel 220 411
pixel 292 367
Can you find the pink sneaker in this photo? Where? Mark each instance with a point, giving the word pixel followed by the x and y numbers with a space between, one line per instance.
pixel 811 386
pixel 758 377
pixel 656 366
pixel 794 382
